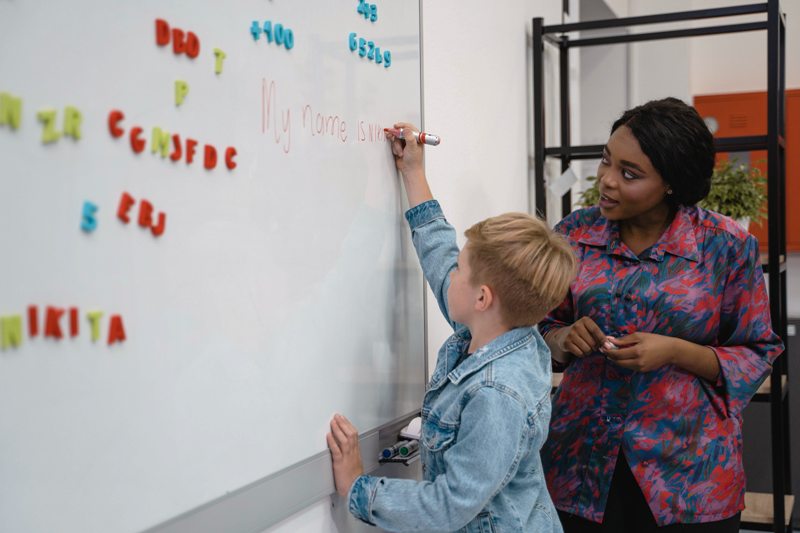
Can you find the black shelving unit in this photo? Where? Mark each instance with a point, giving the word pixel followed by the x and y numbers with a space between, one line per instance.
pixel 773 142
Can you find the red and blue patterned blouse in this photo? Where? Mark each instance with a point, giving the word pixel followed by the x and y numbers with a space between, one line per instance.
pixel 702 282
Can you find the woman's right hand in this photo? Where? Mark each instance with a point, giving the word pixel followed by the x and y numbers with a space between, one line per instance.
pixel 582 338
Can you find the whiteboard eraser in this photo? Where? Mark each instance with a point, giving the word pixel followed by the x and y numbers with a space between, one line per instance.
pixel 413 429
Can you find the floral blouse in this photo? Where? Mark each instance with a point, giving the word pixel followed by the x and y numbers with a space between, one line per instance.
pixel 702 282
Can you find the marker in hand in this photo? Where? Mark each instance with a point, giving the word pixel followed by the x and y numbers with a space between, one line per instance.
pixel 421 136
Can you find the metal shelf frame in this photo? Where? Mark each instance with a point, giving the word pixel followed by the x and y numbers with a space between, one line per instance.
pixel 773 142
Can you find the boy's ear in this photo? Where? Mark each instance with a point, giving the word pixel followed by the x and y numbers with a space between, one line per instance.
pixel 485 298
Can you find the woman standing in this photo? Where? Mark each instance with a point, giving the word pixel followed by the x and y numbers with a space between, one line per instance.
pixel 665 335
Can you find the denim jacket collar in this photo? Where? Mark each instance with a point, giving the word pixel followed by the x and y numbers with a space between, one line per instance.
pixel 459 343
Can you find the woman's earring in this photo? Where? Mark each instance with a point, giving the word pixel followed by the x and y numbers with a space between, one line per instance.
pixel 669 191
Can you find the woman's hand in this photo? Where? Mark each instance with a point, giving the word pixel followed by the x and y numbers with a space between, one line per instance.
pixel 642 352
pixel 343 443
pixel 582 338
pixel 645 352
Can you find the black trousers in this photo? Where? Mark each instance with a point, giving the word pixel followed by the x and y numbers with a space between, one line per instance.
pixel 627 512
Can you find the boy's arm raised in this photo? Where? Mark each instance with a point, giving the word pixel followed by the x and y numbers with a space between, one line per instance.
pixel 409 158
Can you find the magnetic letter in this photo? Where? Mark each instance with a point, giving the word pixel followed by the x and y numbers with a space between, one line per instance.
pixel 159 142
pixel 137 143
pixel 190 144
pixel 162 224
pixel 72 122
pixel 176 152
pixel 178 44
pixel 113 120
pixel 162 32
pixel 125 204
pixel 230 153
pixel 88 221
pixel 73 321
pixel 116 331
pixel 33 321
pixel 210 160
pixel 181 90
pixel 11 327
pixel 10 110
pixel 48 117
pixel 94 323
pixel 145 214
pixel 219 56
pixel 52 328
pixel 192 45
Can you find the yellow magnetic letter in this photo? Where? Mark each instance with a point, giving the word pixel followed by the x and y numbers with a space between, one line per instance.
pixel 159 141
pixel 48 117
pixel 11 334
pixel 181 90
pixel 220 57
pixel 10 110
pixel 94 321
pixel 72 122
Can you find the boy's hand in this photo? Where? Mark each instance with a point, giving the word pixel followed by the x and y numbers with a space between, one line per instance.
pixel 408 154
pixel 343 443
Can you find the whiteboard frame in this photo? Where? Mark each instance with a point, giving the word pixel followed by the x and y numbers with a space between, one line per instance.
pixel 263 503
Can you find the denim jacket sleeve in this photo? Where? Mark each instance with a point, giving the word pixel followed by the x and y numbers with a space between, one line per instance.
pixel 435 241
pixel 477 467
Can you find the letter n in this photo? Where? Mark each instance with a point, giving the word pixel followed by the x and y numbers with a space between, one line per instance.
pixel 10 331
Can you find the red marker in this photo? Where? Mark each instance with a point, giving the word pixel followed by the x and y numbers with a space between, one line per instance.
pixel 420 136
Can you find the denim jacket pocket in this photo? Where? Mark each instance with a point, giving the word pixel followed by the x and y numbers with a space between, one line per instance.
pixel 483 523
pixel 437 437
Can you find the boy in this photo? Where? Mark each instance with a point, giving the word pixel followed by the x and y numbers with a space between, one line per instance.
pixel 487 409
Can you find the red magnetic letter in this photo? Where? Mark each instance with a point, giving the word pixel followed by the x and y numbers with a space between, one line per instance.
pixel 137 143
pixel 190 144
pixel 125 204
pixel 162 224
pixel 177 152
pixel 162 32
pixel 178 44
pixel 113 120
pixel 230 153
pixel 116 331
pixel 192 45
pixel 210 157
pixel 145 214
pixel 52 327
pixel 33 320
pixel 73 321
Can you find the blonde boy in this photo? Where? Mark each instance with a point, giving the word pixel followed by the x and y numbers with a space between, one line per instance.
pixel 487 409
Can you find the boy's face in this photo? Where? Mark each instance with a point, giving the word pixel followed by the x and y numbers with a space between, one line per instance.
pixel 462 293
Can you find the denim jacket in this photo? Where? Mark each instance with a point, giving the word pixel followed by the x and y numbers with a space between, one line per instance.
pixel 484 418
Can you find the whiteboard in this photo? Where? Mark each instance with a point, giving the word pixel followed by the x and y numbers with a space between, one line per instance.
pixel 282 286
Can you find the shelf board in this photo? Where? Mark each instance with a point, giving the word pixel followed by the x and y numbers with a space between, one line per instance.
pixel 758 508
pixel 763 392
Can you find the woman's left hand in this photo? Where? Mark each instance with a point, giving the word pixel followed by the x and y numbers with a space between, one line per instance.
pixel 642 352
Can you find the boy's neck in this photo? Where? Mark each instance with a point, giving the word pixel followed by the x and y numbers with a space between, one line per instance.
pixel 483 334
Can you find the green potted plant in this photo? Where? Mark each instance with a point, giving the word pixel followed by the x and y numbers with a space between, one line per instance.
pixel 737 190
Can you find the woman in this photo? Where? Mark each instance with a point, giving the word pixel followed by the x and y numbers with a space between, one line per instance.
pixel 665 335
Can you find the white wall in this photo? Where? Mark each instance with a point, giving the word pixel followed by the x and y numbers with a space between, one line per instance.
pixel 738 62
pixel 477 79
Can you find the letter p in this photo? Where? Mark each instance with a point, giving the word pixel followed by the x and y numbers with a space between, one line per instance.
pixel 181 90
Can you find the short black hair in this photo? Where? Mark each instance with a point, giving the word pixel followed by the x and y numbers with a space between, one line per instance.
pixel 679 144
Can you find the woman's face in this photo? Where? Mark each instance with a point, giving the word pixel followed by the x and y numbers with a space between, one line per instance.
pixel 630 187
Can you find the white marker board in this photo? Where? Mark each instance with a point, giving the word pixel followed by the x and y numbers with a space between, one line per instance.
pixel 275 293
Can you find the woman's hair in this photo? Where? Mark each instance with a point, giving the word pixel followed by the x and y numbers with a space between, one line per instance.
pixel 677 141
pixel 527 265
